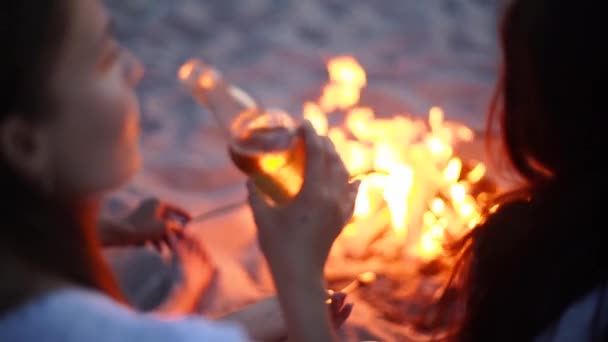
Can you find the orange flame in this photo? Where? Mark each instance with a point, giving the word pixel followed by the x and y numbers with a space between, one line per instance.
pixel 347 79
pixel 347 71
pixel 186 70
pixel 407 165
pixel 408 152
pixel 477 173
pixel 338 96
pixel 396 195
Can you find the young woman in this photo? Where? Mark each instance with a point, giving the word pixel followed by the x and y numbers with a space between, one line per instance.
pixel 68 133
pixel 537 268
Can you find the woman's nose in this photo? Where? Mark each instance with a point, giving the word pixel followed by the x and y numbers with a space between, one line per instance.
pixel 134 69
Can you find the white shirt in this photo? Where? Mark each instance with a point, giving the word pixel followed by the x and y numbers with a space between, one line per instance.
pixel 576 323
pixel 74 315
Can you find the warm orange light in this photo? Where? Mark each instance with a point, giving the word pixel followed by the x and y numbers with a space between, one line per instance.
pixel 436 146
pixel 452 170
pixel 338 96
pixel 396 195
pixel 358 122
pixel 477 173
pixel 206 80
pixel 458 192
pixel 465 134
pixel 362 203
pixel 346 70
pixel 438 206
pixel 186 70
pixel 466 209
pixel 271 162
pixel 428 219
pixel 436 116
pixel 429 247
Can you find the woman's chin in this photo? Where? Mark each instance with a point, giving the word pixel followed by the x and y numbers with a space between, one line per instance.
pixel 123 174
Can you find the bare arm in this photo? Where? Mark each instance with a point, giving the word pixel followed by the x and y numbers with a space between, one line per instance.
pixel 296 237
pixel 303 302
pixel 263 321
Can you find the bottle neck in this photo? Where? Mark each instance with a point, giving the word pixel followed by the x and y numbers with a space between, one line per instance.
pixel 228 105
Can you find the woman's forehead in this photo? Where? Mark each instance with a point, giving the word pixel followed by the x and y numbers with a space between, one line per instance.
pixel 87 29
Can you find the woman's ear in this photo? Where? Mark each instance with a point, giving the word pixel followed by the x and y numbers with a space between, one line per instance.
pixel 24 146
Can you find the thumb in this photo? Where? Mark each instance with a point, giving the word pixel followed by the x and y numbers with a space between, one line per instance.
pixel 255 199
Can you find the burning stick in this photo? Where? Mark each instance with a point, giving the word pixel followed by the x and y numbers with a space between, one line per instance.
pixel 362 279
pixel 217 211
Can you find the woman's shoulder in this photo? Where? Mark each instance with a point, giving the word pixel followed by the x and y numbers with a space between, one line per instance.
pixel 579 321
pixel 80 315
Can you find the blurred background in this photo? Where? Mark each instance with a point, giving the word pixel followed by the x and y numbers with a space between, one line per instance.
pixel 416 52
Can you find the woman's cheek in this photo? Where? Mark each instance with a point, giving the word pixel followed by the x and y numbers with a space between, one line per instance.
pixel 111 137
pixel 122 140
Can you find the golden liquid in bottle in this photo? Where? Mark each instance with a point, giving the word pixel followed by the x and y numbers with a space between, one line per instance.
pixel 274 159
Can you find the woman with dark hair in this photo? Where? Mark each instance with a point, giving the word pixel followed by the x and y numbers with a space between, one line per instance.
pixel 536 269
pixel 68 134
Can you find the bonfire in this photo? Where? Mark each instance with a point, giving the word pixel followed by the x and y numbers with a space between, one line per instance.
pixel 416 196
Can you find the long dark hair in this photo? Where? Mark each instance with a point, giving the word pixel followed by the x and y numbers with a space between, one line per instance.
pixel 47 234
pixel 545 247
